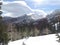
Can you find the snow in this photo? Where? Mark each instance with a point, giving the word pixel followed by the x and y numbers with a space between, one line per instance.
pixel 38 40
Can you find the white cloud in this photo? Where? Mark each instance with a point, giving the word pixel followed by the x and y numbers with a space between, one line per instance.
pixel 18 0
pixel 7 14
pixel 52 2
pixel 19 8
pixel 38 14
pixel 46 2
pixel 13 0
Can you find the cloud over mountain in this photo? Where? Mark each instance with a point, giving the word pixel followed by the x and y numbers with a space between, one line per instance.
pixel 19 8
pixel 38 14
pixel 16 8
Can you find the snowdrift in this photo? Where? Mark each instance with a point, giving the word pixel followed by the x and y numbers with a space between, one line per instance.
pixel 50 39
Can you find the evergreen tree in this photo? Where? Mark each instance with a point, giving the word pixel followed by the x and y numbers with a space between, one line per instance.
pixel 3 32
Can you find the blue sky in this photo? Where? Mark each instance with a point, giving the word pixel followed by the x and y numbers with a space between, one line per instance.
pixel 46 5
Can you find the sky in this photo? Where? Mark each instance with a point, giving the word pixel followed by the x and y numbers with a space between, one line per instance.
pixel 45 5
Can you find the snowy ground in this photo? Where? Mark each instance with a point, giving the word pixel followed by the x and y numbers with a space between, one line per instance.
pixel 38 40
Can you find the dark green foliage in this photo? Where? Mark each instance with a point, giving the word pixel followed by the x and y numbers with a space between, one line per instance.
pixel 31 29
pixel 3 32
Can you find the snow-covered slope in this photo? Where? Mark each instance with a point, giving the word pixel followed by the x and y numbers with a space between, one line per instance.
pixel 39 40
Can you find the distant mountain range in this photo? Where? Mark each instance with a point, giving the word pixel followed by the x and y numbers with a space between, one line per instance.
pixel 21 13
pixel 28 18
pixel 53 15
pixel 21 19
